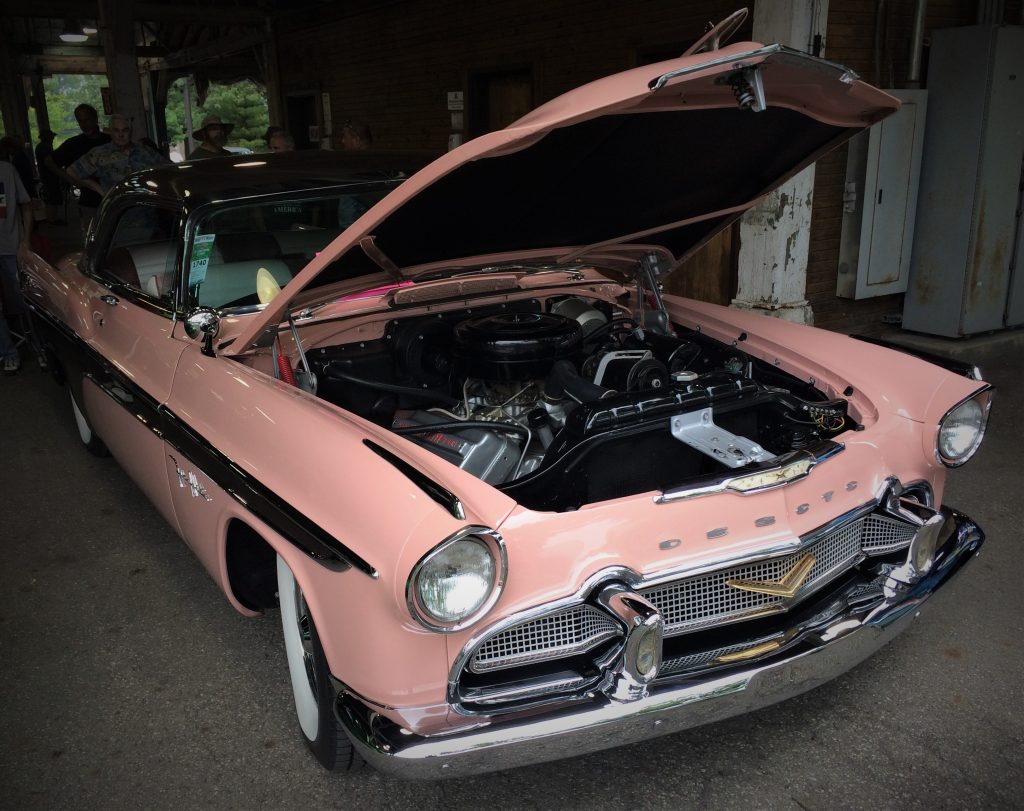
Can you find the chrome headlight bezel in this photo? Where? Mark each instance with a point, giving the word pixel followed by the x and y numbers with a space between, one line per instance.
pixel 983 400
pixel 485 537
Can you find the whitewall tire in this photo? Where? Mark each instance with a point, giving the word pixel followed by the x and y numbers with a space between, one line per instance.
pixel 310 677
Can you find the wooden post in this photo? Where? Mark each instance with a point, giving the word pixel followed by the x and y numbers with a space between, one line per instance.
pixel 775 236
pixel 13 104
pixel 117 32
pixel 39 101
pixel 272 77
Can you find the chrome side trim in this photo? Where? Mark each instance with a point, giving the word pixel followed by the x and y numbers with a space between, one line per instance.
pixel 839 643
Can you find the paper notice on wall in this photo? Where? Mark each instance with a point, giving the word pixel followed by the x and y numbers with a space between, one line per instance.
pixel 202 247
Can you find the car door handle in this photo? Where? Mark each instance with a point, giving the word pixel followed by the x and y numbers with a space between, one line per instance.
pixel 109 299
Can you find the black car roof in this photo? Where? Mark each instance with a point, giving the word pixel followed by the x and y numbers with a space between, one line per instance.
pixel 194 183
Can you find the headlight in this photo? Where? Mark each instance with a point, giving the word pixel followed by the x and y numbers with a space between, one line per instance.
pixel 458 581
pixel 961 431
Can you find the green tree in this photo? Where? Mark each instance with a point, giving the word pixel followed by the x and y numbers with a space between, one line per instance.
pixel 243 104
pixel 64 92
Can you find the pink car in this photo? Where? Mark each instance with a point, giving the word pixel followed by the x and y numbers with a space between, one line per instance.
pixel 514 503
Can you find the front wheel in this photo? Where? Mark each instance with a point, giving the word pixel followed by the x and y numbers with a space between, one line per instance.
pixel 310 678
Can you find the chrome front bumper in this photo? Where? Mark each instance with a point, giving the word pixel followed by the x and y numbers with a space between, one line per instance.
pixel 838 645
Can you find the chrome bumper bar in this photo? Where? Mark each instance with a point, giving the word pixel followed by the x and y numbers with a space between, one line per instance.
pixel 838 645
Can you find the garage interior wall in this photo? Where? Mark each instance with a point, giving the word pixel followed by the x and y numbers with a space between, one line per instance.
pixel 391 65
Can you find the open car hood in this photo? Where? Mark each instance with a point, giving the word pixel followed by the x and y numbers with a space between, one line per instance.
pixel 666 155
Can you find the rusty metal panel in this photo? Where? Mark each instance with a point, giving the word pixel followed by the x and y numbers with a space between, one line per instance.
pixel 974 144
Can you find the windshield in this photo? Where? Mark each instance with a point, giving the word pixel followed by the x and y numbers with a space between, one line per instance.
pixel 242 255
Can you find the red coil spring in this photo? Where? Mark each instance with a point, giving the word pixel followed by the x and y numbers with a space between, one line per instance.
pixel 284 367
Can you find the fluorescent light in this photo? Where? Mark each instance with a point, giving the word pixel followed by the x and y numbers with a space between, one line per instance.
pixel 72 32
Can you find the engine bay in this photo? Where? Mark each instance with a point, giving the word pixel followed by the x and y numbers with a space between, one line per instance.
pixel 566 401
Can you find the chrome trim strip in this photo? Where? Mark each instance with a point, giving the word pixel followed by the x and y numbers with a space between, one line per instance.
pixel 813 455
pixel 841 642
pixel 259 499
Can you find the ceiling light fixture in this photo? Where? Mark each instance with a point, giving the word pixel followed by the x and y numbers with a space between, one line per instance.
pixel 72 32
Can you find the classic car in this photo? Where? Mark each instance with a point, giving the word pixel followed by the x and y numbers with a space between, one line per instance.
pixel 514 501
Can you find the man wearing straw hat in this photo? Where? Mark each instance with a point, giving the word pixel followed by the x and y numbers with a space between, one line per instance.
pixel 213 135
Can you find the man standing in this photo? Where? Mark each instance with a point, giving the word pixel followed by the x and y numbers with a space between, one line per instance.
pixel 102 168
pixel 15 228
pixel 212 136
pixel 74 148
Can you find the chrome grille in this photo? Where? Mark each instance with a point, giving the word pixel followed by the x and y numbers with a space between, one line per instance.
pixel 696 602
pixel 884 534
pixel 693 603
pixel 680 663
pixel 554 636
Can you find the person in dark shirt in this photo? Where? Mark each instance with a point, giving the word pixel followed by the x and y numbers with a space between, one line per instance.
pixel 73 149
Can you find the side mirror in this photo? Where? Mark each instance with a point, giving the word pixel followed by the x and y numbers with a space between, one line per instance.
pixel 203 321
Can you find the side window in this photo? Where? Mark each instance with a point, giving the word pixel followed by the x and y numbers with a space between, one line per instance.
pixel 143 250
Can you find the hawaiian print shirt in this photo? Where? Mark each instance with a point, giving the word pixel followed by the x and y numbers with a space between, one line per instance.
pixel 110 165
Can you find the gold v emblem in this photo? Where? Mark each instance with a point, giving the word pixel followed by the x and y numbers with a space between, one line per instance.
pixel 785 587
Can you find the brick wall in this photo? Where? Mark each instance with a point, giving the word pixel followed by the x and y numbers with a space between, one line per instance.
pixel 390 64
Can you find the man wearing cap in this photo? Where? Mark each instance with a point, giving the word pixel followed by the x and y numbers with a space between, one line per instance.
pixel 213 134
pixel 102 168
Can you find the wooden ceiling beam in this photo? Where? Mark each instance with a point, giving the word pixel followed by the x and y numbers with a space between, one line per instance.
pixel 149 11
pixel 84 51
pixel 214 49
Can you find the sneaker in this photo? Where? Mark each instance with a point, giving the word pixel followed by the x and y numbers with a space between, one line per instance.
pixel 12 364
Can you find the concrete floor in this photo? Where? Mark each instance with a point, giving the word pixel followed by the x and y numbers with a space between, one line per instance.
pixel 129 682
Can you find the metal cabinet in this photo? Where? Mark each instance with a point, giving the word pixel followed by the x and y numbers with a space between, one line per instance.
pixel 879 202
pixel 963 277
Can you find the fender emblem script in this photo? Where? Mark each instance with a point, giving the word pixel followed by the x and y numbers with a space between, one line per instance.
pixel 189 480
pixel 787 586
